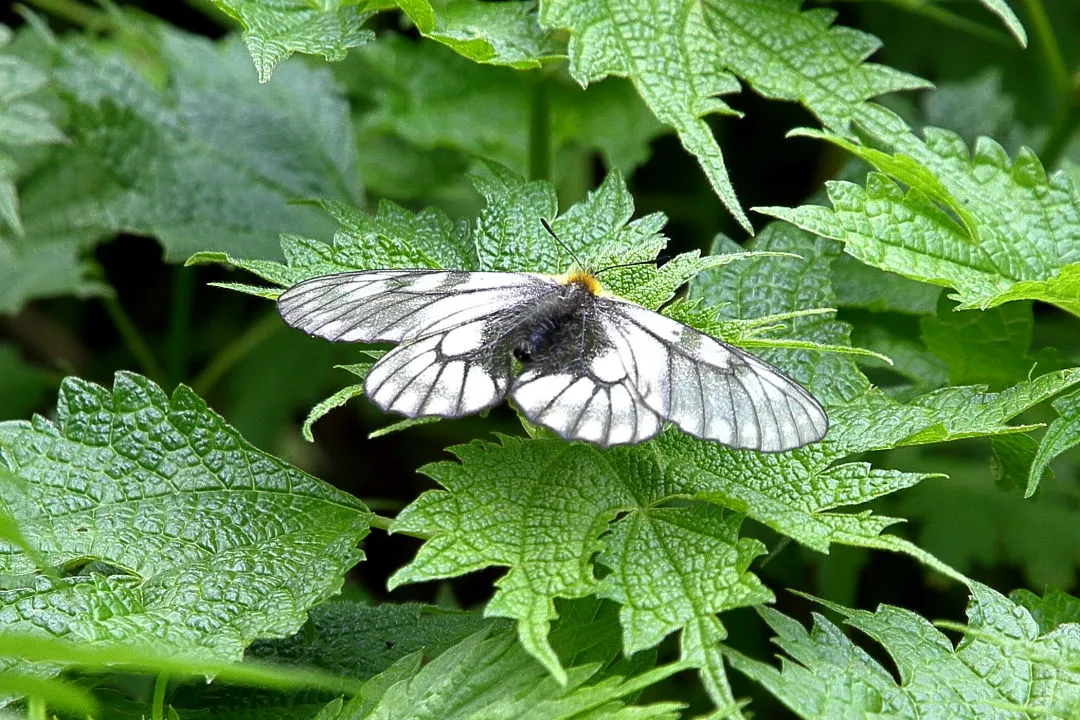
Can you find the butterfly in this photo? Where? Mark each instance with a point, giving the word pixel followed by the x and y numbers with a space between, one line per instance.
pixel 586 364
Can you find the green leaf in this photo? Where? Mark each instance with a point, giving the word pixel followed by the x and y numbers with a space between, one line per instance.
pixel 22 122
pixel 1003 248
pixel 1063 434
pixel 493 677
pixel 988 347
pixel 492 33
pixel 970 523
pixel 484 112
pixel 824 71
pixel 1003 667
pixel 355 640
pixel 666 51
pixel 206 162
pixel 275 30
pixel 502 505
pixel 216 542
pixel 859 285
pixel 674 569
pixel 1053 609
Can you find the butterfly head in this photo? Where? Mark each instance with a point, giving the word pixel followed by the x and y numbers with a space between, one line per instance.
pixel 584 278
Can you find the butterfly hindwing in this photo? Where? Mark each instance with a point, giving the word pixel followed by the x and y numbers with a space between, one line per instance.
pixel 710 389
pixel 582 391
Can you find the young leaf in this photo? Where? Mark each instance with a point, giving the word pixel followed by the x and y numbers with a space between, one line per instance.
pixel 493 33
pixel 1004 667
pixel 1063 434
pixel 216 543
pixel 669 55
pixel 976 222
pixel 274 31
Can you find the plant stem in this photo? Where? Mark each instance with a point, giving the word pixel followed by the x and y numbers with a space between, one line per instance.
pixel 540 130
pixel 383 523
pixel 35 709
pixel 1066 90
pixel 74 12
pixel 157 708
pixel 134 341
pixel 235 351
pixel 1048 47
pixel 180 324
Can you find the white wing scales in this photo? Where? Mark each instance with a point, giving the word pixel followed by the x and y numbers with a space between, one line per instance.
pixel 708 388
pixel 615 382
pixel 398 305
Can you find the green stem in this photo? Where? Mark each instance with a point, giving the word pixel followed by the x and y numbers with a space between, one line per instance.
pixel 951 20
pixel 540 130
pixel 35 709
pixel 1062 131
pixel 1048 47
pixel 383 523
pixel 157 708
pixel 183 294
pixel 74 12
pixel 235 351
pixel 134 341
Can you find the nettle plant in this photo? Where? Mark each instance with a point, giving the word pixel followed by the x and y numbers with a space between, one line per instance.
pixel 149 545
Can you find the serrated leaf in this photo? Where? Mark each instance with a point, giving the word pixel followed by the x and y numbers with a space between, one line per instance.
pixel 492 33
pixel 275 29
pixel 493 677
pixel 1063 434
pixel 825 71
pixel 655 556
pixel 1003 250
pixel 666 51
pixel 502 505
pixel 218 542
pixel 1002 668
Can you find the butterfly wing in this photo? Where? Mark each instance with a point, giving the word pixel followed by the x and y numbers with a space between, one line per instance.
pixel 710 389
pixel 398 305
pixel 452 325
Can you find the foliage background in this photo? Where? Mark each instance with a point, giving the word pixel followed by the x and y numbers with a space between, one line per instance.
pixel 115 191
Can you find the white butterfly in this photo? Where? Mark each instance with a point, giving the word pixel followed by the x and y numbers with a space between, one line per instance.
pixel 588 365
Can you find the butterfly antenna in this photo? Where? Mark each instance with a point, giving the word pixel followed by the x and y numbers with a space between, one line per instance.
pixel 547 226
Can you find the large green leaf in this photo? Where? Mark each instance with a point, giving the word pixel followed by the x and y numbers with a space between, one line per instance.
pixel 209 542
pixel 204 161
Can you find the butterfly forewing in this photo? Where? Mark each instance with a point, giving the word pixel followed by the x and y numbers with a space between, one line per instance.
pixel 397 305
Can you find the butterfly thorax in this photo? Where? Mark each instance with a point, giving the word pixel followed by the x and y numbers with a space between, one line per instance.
pixel 554 320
